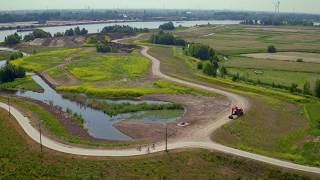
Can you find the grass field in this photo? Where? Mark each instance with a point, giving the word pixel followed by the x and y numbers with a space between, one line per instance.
pixel 275 126
pixel 25 83
pixel 20 159
pixel 44 60
pixel 239 39
pixel 92 66
pixel 287 56
pixel 4 55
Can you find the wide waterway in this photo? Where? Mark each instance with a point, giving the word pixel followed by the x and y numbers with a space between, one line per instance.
pixel 94 28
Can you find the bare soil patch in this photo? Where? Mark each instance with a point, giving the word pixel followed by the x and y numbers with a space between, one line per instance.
pixel 199 111
pixel 287 56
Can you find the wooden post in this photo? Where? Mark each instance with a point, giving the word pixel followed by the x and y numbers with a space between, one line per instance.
pixel 9 106
pixel 40 131
pixel 166 138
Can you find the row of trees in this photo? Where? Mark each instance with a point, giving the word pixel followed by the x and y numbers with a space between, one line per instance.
pixel 73 32
pixel 10 72
pixel 123 29
pixel 166 39
pixel 36 33
pixel 167 26
pixel 277 21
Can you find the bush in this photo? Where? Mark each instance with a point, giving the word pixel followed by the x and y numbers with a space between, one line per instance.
pixel 103 48
pixel 16 55
pixel 317 88
pixel 299 60
pixel 272 49
pixel 10 72
pixel 306 88
pixel 200 51
pixel 166 39
pixel 12 39
pixel 167 26
pixel 210 69
pixel 200 66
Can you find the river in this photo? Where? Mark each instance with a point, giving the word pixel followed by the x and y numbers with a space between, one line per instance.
pixel 94 28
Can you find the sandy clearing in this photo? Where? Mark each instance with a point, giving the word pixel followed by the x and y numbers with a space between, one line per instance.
pixel 287 56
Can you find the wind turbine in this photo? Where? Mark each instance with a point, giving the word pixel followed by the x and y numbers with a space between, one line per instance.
pixel 277 7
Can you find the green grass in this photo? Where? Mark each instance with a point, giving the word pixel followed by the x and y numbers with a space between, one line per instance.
pixel 238 39
pixel 20 160
pixel 44 60
pixel 158 87
pixel 274 128
pixel 106 67
pixel 57 74
pixel 5 55
pixel 312 110
pixel 25 83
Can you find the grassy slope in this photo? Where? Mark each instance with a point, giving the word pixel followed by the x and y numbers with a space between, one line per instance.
pixel 55 128
pixel 4 55
pixel 20 160
pixel 25 83
pixel 293 128
pixel 91 67
pixel 44 60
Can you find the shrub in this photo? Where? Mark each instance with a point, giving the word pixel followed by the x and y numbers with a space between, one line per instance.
pixel 203 52
pixel 103 48
pixel 299 60
pixel 200 66
pixel 210 69
pixel 16 55
pixel 317 88
pixel 306 88
pixel 272 49
pixel 167 26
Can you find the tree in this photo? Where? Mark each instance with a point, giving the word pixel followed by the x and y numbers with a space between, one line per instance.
pixel 58 34
pixel 272 49
pixel 103 48
pixel 12 39
pixel 167 26
pixel 77 31
pixel 69 32
pixel 9 73
pixel 317 88
pixel 211 68
pixel 29 37
pixel 39 33
pixel 306 88
pixel 167 39
pixel 200 51
pixel 84 31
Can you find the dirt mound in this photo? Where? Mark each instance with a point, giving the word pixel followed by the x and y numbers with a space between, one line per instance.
pixel 58 41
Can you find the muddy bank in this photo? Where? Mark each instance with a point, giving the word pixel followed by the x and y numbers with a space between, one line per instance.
pixel 199 111
pixel 144 131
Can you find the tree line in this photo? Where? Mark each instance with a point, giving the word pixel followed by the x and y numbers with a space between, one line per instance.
pixel 123 29
pixel 166 39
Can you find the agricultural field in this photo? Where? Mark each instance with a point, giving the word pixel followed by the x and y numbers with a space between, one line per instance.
pixel 239 39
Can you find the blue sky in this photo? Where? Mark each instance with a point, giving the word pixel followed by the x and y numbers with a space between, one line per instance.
pixel 309 6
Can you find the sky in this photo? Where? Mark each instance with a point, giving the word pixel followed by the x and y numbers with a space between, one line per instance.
pixel 306 6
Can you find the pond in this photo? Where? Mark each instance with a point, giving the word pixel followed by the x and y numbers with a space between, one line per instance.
pixel 99 124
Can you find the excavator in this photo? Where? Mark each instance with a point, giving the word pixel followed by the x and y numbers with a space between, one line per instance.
pixel 236 112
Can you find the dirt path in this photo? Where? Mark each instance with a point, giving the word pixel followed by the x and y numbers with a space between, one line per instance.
pixel 200 137
pixel 71 80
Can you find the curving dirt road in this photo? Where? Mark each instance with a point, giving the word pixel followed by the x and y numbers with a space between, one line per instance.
pixel 199 139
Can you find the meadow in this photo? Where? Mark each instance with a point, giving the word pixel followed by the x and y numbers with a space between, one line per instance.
pixel 173 165
pixel 271 110
pixel 25 83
